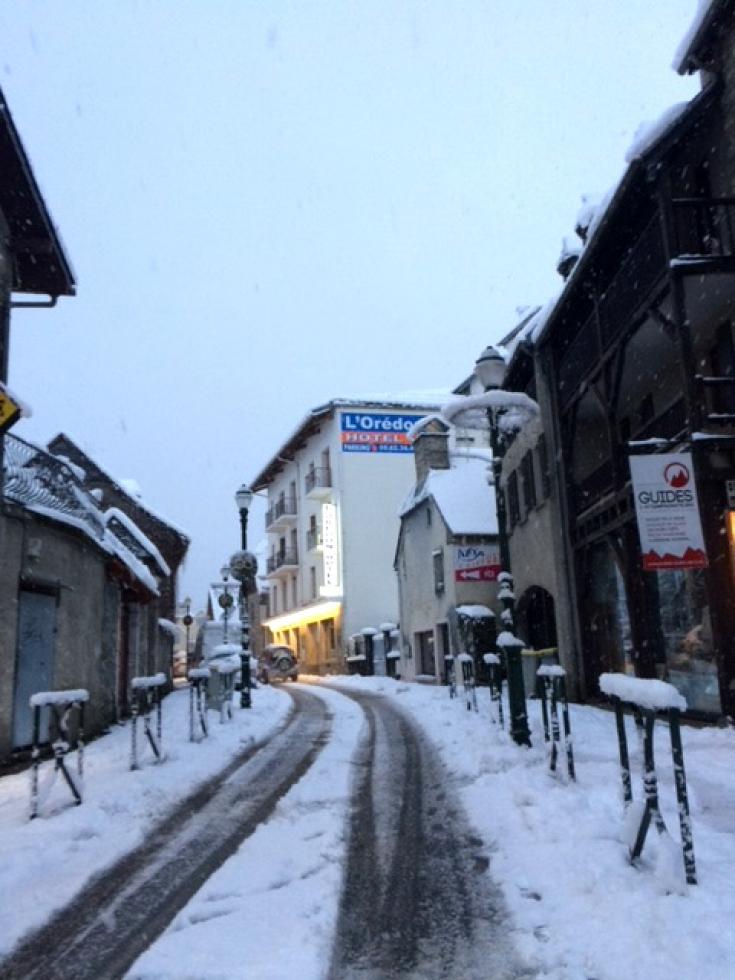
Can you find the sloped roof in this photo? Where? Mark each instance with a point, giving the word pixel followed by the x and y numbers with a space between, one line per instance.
pixel 462 494
pixel 707 19
pixel 658 139
pixel 39 262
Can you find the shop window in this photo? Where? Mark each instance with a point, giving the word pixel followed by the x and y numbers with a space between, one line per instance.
pixel 438 560
pixel 329 635
pixel 687 634
pixel 529 482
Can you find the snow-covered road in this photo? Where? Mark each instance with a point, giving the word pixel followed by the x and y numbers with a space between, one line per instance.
pixel 544 883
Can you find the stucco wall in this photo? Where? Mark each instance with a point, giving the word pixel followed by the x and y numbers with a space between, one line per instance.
pixel 49 557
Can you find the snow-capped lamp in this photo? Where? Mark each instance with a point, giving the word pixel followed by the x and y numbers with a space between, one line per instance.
pixel 490 368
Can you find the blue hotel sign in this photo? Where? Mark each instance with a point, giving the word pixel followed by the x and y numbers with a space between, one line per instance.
pixel 369 432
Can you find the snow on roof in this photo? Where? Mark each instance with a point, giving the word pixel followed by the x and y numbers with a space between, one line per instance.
pixel 475 611
pixel 115 515
pixel 647 137
pixel 462 495
pixel 121 486
pixel 649 132
pixel 705 12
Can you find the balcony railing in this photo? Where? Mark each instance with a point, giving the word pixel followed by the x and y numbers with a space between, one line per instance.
pixel 284 507
pixel 319 477
pixel 282 559
pixel 704 227
pixel 313 538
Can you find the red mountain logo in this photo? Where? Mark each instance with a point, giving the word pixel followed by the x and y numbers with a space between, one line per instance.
pixel 676 475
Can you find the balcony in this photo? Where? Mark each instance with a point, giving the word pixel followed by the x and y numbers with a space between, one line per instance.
pixel 282 561
pixel 314 539
pixel 318 483
pixel 283 512
pixel 703 228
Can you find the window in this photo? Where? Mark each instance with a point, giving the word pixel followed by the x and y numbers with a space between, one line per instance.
pixel 274 600
pixel 312 582
pixel 514 507
pixel 543 465
pixel 425 649
pixel 438 560
pixel 329 634
pixel 428 515
pixel 294 591
pixel 529 482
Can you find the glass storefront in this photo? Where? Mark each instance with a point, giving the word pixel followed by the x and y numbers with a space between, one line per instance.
pixel 687 638
pixel 608 622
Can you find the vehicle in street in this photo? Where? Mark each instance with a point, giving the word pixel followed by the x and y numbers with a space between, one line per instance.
pixel 278 663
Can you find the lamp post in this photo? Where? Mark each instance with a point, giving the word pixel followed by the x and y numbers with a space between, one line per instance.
pixel 246 569
pixel 490 370
pixel 225 600
pixel 188 620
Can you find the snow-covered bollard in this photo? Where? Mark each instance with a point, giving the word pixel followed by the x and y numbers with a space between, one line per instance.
pixel 198 681
pixel 553 689
pixel 495 680
pixel 450 675
pixel 146 694
pixel 224 670
pixel 649 697
pixel 467 665
pixel 60 704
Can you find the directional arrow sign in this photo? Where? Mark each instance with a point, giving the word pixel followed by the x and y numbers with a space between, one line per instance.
pixel 9 411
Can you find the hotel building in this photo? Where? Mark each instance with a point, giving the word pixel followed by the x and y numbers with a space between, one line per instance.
pixel 335 488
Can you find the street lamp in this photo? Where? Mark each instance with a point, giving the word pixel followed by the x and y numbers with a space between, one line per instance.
pixel 490 370
pixel 225 600
pixel 188 620
pixel 245 567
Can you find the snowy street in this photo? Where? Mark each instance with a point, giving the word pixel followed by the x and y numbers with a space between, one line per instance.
pixel 386 831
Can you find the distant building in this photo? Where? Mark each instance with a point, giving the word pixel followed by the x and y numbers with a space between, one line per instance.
pixel 447 551
pixel 334 491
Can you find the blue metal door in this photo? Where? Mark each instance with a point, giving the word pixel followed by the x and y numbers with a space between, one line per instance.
pixel 34 663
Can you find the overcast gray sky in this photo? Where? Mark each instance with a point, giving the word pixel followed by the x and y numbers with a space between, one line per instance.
pixel 268 204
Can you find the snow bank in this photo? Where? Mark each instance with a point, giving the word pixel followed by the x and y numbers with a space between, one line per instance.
pixel 40 698
pixel 643 692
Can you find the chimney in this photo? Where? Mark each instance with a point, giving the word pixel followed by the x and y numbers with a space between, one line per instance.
pixel 431 447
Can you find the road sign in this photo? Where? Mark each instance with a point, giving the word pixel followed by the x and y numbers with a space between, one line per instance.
pixel 9 410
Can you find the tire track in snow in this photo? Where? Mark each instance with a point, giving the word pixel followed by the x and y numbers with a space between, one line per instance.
pixel 416 901
pixel 102 932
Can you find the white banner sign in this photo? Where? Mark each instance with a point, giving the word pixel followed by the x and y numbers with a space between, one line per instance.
pixel 476 563
pixel 668 512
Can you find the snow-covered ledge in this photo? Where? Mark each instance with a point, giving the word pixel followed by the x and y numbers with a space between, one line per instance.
pixel 643 692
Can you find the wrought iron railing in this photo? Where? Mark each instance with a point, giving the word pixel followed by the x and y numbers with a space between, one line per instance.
pixel 319 477
pixel 35 478
pixel 284 507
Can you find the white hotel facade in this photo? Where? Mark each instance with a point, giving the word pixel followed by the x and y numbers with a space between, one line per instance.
pixel 335 488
